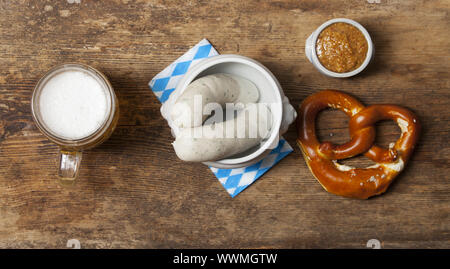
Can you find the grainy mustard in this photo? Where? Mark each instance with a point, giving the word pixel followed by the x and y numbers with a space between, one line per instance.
pixel 341 47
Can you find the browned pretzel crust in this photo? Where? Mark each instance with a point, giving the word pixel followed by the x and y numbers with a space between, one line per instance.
pixel 322 158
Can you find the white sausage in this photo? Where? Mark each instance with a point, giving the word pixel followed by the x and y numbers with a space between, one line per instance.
pixel 209 147
pixel 217 88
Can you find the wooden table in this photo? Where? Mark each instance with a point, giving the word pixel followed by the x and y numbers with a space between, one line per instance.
pixel 133 192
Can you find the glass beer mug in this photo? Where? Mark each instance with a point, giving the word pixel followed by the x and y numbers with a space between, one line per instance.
pixel 74 105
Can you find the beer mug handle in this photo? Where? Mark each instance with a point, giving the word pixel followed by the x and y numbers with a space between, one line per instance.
pixel 69 165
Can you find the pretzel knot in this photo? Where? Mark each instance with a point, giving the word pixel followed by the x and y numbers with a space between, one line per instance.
pixel 322 158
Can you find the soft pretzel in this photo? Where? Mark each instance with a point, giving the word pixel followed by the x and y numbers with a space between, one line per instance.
pixel 322 158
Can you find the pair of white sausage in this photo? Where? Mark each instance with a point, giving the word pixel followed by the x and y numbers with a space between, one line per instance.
pixel 210 142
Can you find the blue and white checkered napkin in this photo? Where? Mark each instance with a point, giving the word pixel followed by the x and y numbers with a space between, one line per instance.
pixel 233 180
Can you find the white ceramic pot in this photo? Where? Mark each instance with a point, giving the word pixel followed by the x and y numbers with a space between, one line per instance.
pixel 270 92
pixel 310 49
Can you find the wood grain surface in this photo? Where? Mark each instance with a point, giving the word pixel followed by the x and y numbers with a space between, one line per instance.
pixel 133 192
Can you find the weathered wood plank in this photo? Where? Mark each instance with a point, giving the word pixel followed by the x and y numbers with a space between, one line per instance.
pixel 134 192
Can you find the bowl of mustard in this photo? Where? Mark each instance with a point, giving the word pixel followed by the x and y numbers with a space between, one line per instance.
pixel 340 48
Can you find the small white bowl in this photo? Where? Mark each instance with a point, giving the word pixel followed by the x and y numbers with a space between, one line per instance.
pixel 270 92
pixel 310 49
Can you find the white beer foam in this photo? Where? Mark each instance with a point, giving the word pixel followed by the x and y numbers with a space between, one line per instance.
pixel 73 104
